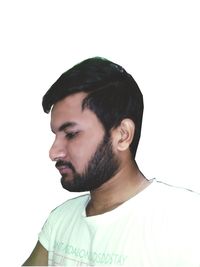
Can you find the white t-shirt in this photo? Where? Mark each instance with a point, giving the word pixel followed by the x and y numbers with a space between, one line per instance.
pixel 159 227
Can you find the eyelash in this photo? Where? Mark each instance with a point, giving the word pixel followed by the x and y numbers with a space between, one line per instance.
pixel 71 135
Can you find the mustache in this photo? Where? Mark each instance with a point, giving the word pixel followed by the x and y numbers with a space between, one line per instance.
pixel 67 164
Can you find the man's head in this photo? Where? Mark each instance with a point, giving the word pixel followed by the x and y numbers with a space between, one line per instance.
pixel 92 102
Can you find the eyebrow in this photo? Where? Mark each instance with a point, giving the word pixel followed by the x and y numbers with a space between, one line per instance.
pixel 66 125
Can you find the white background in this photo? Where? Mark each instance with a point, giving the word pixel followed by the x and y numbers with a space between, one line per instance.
pixel 156 41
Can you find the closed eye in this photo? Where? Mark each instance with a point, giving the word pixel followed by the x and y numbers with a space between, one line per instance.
pixel 71 135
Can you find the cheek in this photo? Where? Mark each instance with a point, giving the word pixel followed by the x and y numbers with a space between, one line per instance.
pixel 81 151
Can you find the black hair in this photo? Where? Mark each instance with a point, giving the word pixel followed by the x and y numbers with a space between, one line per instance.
pixel 113 94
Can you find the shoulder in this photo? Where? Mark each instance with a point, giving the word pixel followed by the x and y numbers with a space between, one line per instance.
pixel 72 203
pixel 70 207
pixel 177 193
pixel 177 201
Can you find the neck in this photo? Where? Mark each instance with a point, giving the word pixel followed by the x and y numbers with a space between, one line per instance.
pixel 128 182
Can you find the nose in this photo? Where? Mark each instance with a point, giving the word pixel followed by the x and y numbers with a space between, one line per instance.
pixel 57 150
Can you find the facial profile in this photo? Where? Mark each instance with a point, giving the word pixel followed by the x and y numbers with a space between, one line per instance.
pixel 82 148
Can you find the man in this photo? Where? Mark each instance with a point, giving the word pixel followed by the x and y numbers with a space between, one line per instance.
pixel 126 220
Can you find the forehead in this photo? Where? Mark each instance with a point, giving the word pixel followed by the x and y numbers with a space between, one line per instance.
pixel 70 110
pixel 69 104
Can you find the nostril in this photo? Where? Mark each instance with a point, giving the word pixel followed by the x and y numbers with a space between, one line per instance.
pixel 56 159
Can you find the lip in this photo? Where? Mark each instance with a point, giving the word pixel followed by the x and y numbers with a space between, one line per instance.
pixel 64 170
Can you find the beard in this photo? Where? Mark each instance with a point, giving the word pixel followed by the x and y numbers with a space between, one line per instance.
pixel 102 166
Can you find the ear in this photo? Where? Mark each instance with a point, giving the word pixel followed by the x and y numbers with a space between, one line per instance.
pixel 123 135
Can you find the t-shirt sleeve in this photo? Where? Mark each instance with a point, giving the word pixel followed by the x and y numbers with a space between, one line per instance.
pixel 48 230
pixel 45 233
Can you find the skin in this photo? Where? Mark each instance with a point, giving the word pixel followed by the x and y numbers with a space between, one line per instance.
pixel 128 181
pixel 39 257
